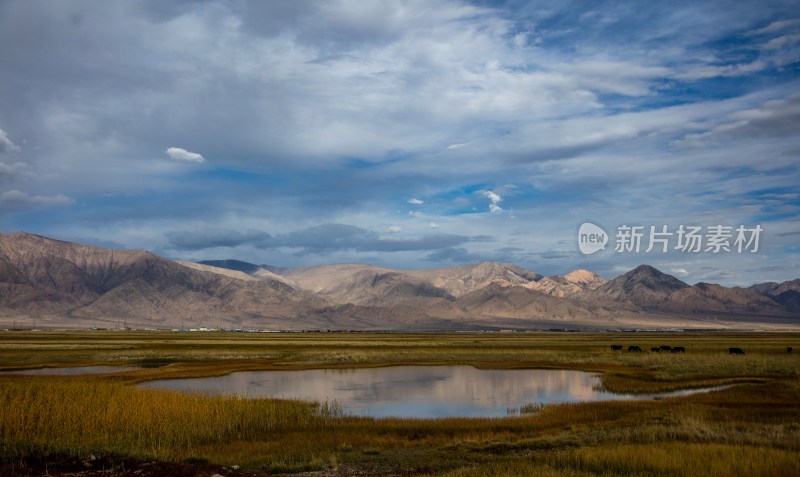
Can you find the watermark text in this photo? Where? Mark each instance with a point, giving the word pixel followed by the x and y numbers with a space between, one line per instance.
pixel 663 238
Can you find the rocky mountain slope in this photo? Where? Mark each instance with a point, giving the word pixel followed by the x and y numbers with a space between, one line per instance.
pixel 570 285
pixel 365 284
pixel 66 284
pixel 50 279
pixel 786 293
pixel 461 280
pixel 712 298
pixel 644 286
pixel 585 279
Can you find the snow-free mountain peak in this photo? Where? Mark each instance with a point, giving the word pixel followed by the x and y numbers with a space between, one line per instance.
pixel 66 284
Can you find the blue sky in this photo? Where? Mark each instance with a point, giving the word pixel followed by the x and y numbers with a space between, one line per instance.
pixel 410 134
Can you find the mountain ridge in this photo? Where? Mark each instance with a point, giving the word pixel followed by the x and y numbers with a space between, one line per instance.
pixel 68 284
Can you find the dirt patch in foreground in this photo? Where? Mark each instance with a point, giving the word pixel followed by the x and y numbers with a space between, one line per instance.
pixel 92 466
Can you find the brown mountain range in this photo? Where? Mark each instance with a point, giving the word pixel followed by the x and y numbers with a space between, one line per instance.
pixel 48 282
pixel 63 283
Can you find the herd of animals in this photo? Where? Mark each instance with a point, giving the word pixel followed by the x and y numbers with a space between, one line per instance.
pixel 678 349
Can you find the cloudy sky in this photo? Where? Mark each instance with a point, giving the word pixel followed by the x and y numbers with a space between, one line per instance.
pixel 411 134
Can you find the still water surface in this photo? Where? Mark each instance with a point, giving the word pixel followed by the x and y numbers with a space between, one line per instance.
pixel 413 391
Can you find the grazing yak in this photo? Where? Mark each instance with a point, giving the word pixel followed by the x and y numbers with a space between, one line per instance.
pixel 678 349
pixel 655 349
pixel 665 348
pixel 634 348
pixel 735 351
pixel 788 350
pixel 616 347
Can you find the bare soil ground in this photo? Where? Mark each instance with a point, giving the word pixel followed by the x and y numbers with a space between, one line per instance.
pixel 93 466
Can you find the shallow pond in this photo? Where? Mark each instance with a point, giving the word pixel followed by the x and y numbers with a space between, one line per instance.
pixel 414 391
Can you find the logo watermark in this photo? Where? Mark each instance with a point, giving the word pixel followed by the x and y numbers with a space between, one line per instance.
pixel 662 239
pixel 591 238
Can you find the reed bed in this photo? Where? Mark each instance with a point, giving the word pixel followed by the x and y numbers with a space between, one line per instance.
pixel 83 415
pixel 674 460
pixel 680 459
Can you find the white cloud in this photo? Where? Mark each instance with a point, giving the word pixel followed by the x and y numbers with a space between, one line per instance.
pixel 5 143
pixel 415 201
pixel 180 154
pixel 15 198
pixel 781 41
pixel 611 76
pixel 777 26
pixel 458 145
pixel 393 229
pixel 728 71
pixel 434 225
pixel 8 171
pixel 494 201
pixel 680 271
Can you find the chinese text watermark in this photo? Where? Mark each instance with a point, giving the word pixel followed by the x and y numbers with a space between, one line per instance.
pixel 663 238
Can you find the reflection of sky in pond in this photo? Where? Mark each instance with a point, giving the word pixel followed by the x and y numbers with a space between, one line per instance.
pixel 73 371
pixel 411 391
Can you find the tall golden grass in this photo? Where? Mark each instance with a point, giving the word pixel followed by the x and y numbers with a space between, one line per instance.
pixel 735 432
pixel 668 459
pixel 680 459
pixel 73 416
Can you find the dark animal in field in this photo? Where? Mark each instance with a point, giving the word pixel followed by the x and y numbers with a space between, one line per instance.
pixel 678 349
pixel 735 351
pixel 655 349
pixel 788 350
pixel 665 348
pixel 634 348
pixel 616 347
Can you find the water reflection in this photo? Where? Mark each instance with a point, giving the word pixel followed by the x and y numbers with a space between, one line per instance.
pixel 411 391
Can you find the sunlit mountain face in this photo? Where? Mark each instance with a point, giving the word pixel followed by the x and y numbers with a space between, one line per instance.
pixel 48 283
